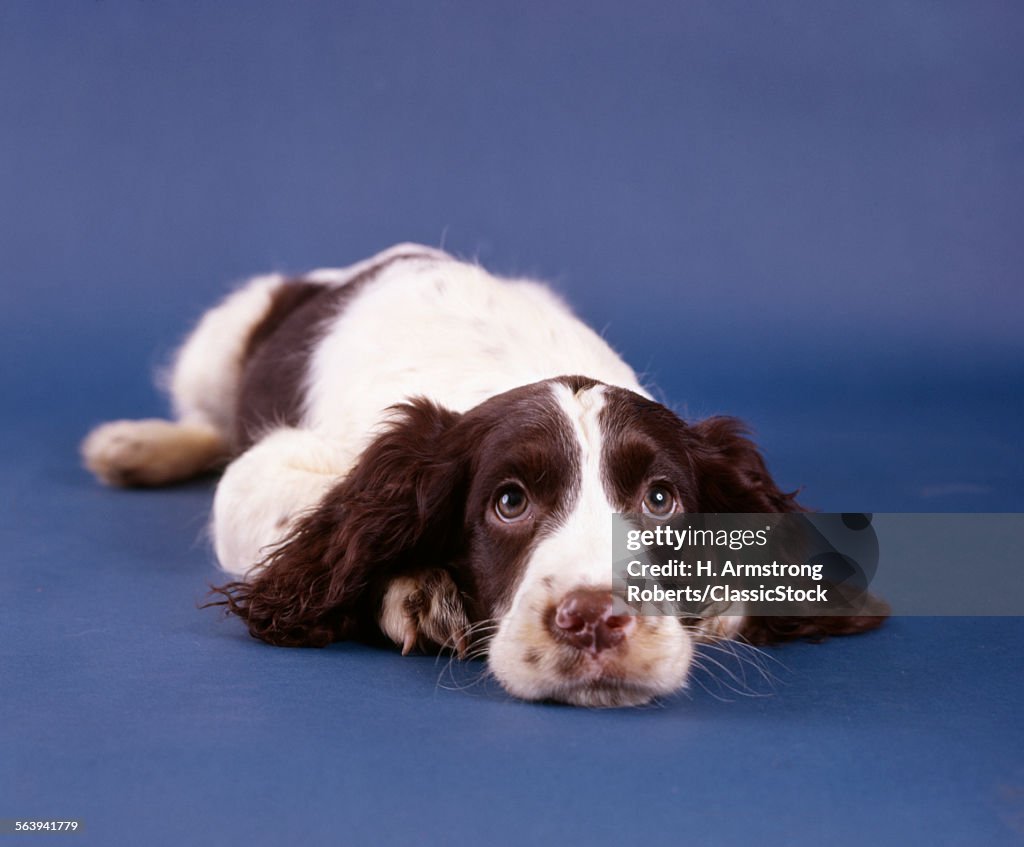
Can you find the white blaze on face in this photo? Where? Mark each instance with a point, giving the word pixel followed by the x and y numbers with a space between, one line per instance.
pixel 577 554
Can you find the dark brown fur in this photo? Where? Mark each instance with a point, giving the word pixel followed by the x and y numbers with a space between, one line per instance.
pixel 277 356
pixel 712 465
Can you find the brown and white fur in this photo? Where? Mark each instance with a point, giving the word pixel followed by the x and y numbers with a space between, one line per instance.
pixel 418 448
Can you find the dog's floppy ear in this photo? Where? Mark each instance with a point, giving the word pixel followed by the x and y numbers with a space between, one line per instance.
pixel 396 508
pixel 732 477
pixel 731 474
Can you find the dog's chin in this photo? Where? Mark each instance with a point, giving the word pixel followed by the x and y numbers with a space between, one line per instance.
pixel 596 692
pixel 631 677
pixel 607 694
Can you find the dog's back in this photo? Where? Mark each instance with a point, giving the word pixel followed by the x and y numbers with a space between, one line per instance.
pixel 332 350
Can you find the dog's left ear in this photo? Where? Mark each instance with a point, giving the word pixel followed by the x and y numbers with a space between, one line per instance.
pixel 731 473
pixel 398 509
pixel 732 477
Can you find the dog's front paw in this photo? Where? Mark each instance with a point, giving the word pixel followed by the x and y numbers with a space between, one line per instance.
pixel 425 609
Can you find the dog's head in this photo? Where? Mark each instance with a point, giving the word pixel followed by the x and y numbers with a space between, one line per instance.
pixel 496 524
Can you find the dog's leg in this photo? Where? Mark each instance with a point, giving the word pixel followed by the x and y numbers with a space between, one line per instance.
pixel 264 490
pixel 203 384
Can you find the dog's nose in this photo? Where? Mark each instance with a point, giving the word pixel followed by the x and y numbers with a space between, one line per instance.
pixel 584 619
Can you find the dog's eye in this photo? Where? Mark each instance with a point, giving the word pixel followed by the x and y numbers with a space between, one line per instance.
pixel 659 501
pixel 511 503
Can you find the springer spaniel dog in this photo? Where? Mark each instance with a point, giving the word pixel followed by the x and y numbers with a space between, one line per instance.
pixel 418 449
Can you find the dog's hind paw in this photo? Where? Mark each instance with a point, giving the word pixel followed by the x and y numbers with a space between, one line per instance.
pixel 151 452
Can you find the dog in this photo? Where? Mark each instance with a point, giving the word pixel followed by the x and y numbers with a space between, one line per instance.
pixel 420 450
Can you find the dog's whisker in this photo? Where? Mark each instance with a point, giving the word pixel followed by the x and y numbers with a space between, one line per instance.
pixel 475 678
pixel 476 636
pixel 756 658
pixel 697 679
pixel 735 683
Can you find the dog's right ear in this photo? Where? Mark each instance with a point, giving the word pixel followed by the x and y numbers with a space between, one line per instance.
pixel 398 507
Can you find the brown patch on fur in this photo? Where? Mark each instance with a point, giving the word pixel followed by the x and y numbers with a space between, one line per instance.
pixel 277 356
pixel 277 353
pixel 712 465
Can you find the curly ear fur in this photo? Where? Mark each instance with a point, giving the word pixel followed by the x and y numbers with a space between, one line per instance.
pixel 394 510
pixel 733 477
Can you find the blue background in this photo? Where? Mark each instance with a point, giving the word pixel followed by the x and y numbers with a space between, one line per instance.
pixel 805 214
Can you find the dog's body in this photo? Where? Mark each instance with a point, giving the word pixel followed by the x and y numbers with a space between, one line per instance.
pixel 422 449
